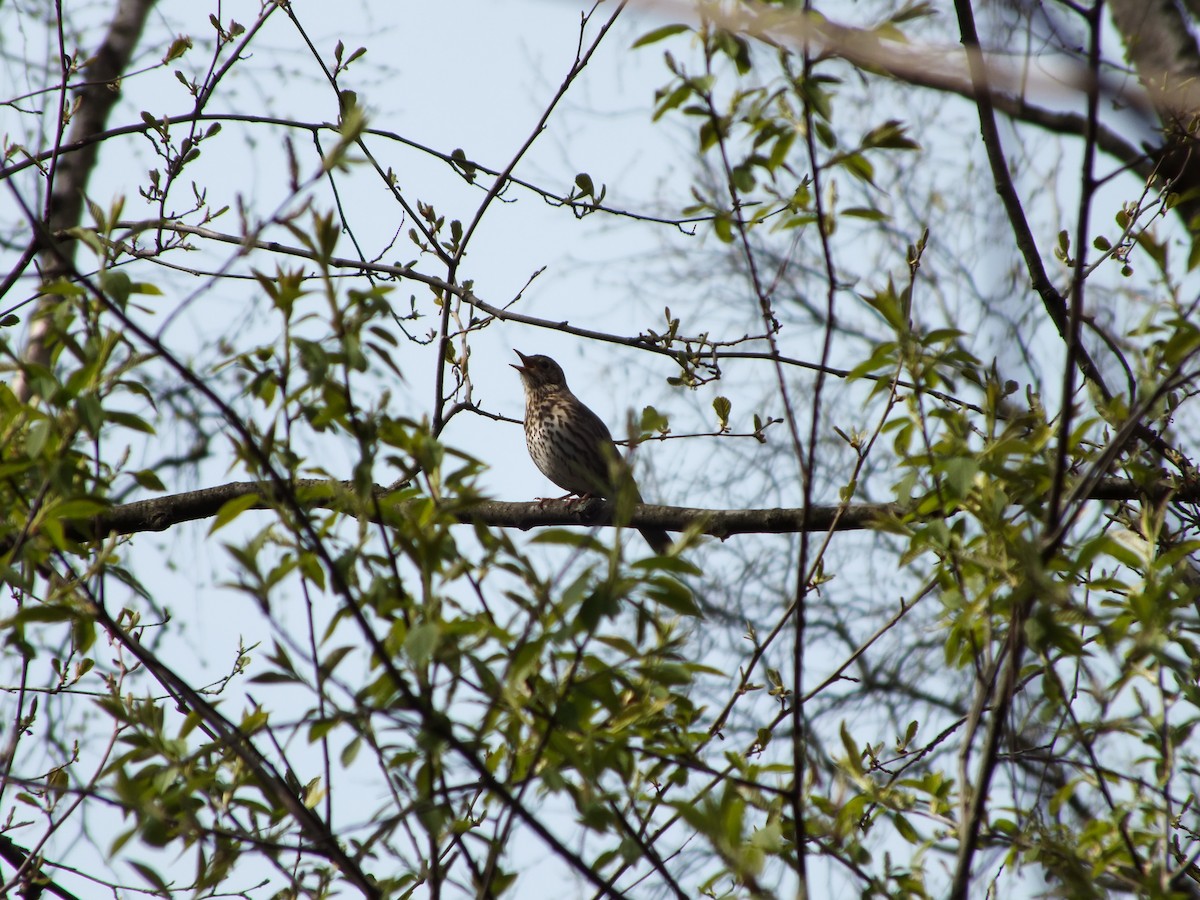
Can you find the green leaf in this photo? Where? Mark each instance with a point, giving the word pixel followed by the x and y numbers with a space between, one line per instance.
pixel 825 134
pixel 1063 249
pixel 129 420
pixel 853 754
pixel 863 212
pixel 36 437
pixel 421 642
pixel 659 34
pixel 888 305
pixel 668 564
pixel 152 877
pixel 274 678
pixel 61 286
pixel 723 226
pixel 43 613
pixel 890 136
pixel 653 422
pixel 1193 259
pixel 672 100
pixel 117 285
pixel 860 167
pixel 1156 249
pixel 231 509
pixel 79 508
pixel 674 596
pixel 569 538
pixel 915 11
pixel 147 479
pixel 960 474
pixel 743 179
pixel 179 46
pixel 905 829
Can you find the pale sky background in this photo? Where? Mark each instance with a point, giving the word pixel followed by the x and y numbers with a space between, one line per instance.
pixel 476 75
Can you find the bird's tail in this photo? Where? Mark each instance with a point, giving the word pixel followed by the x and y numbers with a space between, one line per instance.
pixel 657 539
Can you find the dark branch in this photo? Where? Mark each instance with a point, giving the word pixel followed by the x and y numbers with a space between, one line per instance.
pixel 160 513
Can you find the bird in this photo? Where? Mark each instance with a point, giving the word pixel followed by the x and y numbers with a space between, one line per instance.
pixel 570 444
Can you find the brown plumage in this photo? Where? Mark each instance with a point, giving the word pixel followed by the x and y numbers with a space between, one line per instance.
pixel 569 442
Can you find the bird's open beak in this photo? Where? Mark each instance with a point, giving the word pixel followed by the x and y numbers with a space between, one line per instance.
pixel 524 367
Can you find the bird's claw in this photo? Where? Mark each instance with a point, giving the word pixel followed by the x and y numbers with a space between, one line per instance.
pixel 571 499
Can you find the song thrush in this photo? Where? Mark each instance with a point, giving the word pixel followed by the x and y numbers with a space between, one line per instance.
pixel 570 444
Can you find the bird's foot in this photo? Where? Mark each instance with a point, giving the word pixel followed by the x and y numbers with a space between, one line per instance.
pixel 573 501
pixel 569 497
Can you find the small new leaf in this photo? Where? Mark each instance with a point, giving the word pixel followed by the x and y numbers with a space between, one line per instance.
pixel 722 407
pixel 179 46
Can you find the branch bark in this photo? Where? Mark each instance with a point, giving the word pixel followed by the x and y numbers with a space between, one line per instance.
pixel 161 513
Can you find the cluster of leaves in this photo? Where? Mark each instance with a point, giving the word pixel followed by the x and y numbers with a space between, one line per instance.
pixel 482 680
pixel 1095 614
pixel 756 128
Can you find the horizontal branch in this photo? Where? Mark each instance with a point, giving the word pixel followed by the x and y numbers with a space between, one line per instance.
pixel 160 513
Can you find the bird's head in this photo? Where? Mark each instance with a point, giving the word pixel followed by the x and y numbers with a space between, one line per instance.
pixel 539 372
